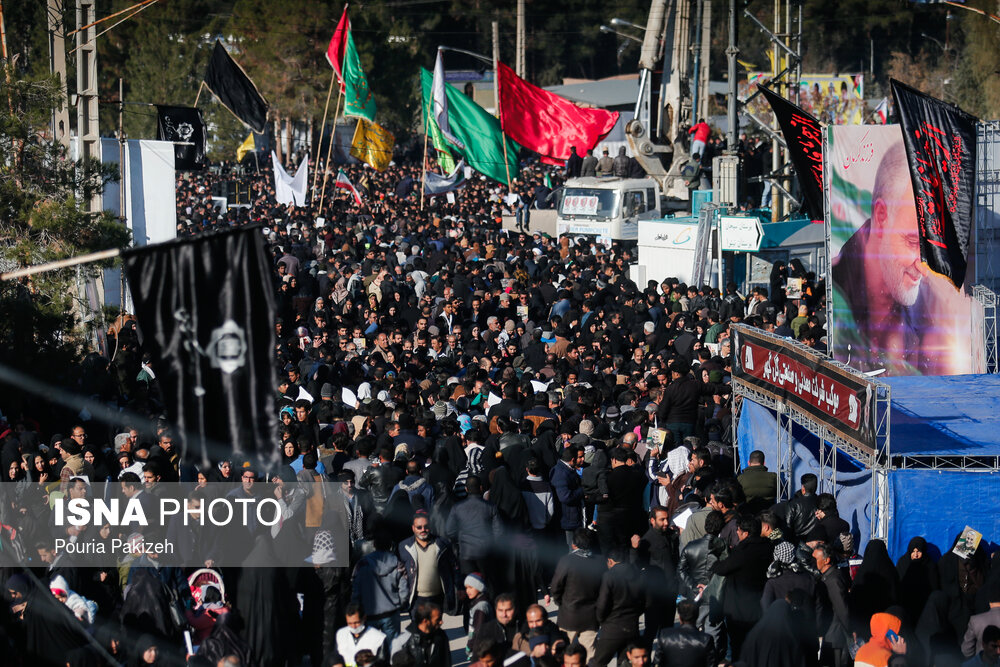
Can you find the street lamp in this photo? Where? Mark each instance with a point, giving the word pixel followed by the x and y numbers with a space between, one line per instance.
pixel 622 23
pixel 612 31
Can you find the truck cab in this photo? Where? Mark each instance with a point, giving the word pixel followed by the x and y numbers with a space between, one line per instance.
pixel 610 208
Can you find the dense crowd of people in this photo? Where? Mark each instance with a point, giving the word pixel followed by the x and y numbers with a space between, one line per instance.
pixel 513 426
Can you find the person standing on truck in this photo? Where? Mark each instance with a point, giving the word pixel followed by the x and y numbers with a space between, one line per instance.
pixel 573 163
pixel 589 166
pixel 701 132
pixel 605 166
pixel 621 165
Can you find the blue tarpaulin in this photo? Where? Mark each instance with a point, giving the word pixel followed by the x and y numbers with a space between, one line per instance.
pixel 957 415
pixel 938 504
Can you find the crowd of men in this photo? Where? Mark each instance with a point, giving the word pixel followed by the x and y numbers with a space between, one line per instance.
pixel 528 440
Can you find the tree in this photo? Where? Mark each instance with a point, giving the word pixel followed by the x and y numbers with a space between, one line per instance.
pixel 41 220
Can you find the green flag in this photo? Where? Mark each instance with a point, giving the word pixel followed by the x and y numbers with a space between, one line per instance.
pixel 441 145
pixel 358 98
pixel 477 130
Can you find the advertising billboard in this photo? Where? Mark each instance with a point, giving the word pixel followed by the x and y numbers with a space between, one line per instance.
pixel 888 311
pixel 831 98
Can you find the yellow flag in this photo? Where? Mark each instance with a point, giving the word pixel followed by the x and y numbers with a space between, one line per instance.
pixel 247 146
pixel 372 144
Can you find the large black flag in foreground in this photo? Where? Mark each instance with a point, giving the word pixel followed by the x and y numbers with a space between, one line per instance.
pixel 235 90
pixel 205 312
pixel 185 127
pixel 804 137
pixel 940 142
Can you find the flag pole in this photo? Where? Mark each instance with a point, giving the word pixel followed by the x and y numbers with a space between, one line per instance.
pixel 61 264
pixel 496 96
pixel 326 109
pixel 329 150
pixel 423 165
pixel 198 97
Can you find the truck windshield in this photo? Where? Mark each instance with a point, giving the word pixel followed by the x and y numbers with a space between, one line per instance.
pixel 589 203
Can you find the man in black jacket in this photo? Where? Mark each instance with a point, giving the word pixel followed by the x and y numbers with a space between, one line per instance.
pixel 658 547
pixel 425 641
pixel 381 479
pixel 801 515
pixel 684 645
pixel 620 603
pixel 678 409
pixel 473 525
pixel 746 574
pixel 575 587
pixel 834 620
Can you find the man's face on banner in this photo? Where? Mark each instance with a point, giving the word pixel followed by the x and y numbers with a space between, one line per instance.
pixel 898 242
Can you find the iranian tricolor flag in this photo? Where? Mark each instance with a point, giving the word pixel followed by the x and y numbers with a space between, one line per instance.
pixel 345 183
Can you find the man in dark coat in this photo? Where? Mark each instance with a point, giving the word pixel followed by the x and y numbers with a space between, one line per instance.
pixel 620 603
pixel 575 587
pixel 683 645
pixel 678 409
pixel 617 518
pixel 835 618
pixel 745 571
pixel 434 552
pixel 801 515
pixel 473 525
pixel 425 641
pixel 569 490
pixel 574 163
pixel 658 547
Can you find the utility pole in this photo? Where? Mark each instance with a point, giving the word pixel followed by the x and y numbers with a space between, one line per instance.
pixel 57 66
pixel 732 51
pixel 706 51
pixel 88 133
pixel 775 147
pixel 519 56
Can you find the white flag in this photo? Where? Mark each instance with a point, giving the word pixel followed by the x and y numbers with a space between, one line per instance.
pixel 289 190
pixel 441 103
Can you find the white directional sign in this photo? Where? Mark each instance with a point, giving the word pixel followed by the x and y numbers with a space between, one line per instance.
pixel 742 234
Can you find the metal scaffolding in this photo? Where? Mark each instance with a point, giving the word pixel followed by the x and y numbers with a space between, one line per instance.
pixel 877 460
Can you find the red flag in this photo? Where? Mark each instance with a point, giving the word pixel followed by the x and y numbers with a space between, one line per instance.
pixel 338 46
pixel 547 123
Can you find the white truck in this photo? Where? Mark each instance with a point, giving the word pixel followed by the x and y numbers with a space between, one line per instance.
pixel 609 208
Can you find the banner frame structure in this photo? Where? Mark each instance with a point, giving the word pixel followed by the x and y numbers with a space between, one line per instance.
pixel 787 414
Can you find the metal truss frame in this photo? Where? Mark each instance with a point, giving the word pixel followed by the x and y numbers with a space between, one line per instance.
pixel 988 299
pixel 878 461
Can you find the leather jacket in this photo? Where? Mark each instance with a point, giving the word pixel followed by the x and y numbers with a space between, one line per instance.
pixel 683 646
pixel 696 561
pixel 801 515
pixel 380 480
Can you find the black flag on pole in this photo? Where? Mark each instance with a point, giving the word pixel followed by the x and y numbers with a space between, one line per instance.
pixel 185 127
pixel 940 142
pixel 235 90
pixel 205 311
pixel 804 138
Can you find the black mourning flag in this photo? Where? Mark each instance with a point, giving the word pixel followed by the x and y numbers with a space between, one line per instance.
pixel 186 128
pixel 205 310
pixel 804 138
pixel 235 90
pixel 940 142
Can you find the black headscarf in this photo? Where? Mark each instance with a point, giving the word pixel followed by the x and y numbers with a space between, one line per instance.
pixel 52 632
pixel 917 578
pixel 147 606
pixel 266 599
pixel 226 640
pixel 875 586
pixel 775 641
